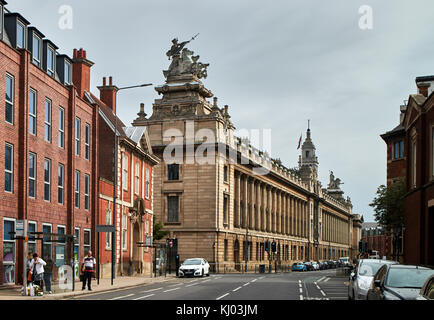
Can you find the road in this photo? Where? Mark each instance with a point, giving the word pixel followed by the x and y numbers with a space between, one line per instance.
pixel 313 285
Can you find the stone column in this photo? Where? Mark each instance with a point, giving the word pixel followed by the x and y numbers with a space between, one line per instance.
pixel 245 200
pixel 292 204
pixel 237 199
pixel 278 210
pixel 274 210
pixel 252 202
pixel 268 212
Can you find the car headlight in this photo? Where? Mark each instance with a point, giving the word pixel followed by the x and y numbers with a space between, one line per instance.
pixel 363 284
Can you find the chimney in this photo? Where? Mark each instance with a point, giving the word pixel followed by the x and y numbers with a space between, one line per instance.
pixel 81 71
pixel 107 93
pixel 423 88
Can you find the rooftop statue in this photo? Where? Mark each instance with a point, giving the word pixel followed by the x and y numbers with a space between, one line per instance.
pixel 184 61
pixel 334 183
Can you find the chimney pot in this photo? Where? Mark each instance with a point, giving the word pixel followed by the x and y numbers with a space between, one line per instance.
pixel 104 81
pixel 142 107
pixel 110 81
pixel 75 54
pixel 423 88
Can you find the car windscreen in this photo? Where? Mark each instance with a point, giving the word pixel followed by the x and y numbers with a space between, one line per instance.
pixel 192 262
pixel 369 268
pixel 407 278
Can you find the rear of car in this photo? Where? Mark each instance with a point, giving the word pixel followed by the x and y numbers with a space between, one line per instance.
pixel 298 266
pixel 361 278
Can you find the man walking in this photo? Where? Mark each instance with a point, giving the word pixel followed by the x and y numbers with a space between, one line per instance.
pixel 48 272
pixel 88 269
pixel 37 267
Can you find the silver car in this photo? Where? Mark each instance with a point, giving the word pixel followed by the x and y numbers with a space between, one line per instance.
pixel 361 278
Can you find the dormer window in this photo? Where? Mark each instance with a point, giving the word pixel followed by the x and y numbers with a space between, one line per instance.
pixel 51 54
pixel 68 68
pixel 21 35
pixel 36 50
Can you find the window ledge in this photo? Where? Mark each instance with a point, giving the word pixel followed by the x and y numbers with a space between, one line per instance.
pixel 173 223
pixel 172 181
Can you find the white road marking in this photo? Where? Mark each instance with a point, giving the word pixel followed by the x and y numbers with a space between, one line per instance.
pixel 172 289
pixel 322 292
pixel 221 297
pixel 320 279
pixel 151 290
pixel 244 285
pixel 128 295
pixel 190 285
pixel 206 280
pixel 254 280
pixel 144 297
pixel 326 279
pixel 301 297
pixel 236 289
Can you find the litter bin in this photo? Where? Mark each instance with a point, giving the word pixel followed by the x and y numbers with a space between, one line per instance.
pixel 262 268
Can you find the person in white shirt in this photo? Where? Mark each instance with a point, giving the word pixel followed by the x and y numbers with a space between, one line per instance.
pixel 88 268
pixel 37 267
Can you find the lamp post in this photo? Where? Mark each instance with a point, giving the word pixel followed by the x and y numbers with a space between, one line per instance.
pixel 115 173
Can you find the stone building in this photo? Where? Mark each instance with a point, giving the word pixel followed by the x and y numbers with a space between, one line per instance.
pixel 222 198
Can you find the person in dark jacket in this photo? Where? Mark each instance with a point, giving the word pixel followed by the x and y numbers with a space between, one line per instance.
pixel 48 272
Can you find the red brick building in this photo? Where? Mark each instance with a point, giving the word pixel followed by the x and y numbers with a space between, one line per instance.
pixel 48 138
pixel 375 237
pixel 134 188
pixel 419 137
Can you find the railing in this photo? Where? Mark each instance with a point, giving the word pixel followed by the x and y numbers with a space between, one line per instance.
pixel 237 268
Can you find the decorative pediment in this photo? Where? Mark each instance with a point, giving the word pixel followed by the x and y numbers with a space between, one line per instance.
pixel 137 211
pixel 413 112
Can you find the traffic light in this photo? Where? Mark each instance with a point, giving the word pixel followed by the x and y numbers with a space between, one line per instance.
pixel 267 246
pixel 273 246
pixel 361 246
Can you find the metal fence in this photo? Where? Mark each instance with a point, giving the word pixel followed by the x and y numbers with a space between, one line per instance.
pixel 227 268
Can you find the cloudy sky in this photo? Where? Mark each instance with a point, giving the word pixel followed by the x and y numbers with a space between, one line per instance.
pixel 275 63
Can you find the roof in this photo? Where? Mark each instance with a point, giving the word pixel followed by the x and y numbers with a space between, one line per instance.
pixel 425 78
pixel 395 131
pixel 419 98
pixel 134 133
pixel 370 225
pixel 19 16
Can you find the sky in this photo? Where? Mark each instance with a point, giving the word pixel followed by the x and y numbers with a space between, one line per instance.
pixel 275 63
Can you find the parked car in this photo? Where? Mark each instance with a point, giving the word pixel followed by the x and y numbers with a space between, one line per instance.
pixel 308 265
pixel 398 282
pixel 299 266
pixel 344 262
pixel 362 276
pixel 195 267
pixel 323 265
pixel 331 264
pixel 427 291
pixel 315 266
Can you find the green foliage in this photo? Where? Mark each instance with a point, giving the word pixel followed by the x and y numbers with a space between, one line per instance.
pixel 158 232
pixel 389 205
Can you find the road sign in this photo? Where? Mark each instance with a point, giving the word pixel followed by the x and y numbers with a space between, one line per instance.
pixel 105 228
pixel 148 241
pixel 20 228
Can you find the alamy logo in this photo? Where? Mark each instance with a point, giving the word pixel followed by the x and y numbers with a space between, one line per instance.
pixel 66 18
pixel 366 21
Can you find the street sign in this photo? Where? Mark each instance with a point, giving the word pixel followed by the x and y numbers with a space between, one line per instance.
pixel 20 228
pixel 148 241
pixel 105 228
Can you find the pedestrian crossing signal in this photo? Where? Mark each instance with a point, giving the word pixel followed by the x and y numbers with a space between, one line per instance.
pixel 273 246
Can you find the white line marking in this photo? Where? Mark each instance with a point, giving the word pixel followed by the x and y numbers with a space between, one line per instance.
pixel 206 281
pixel 221 297
pixel 244 285
pixel 322 292
pixel 301 297
pixel 326 279
pixel 254 280
pixel 236 289
pixel 301 290
pixel 128 295
pixel 151 290
pixel 144 297
pixel 320 279
pixel 171 290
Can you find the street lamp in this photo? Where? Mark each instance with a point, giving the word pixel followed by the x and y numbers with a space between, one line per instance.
pixel 115 180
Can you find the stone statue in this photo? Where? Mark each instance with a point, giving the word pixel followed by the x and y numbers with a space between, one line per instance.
pixel 334 183
pixel 184 61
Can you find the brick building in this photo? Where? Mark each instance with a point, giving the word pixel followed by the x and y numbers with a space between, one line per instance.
pixel 375 237
pixel 219 208
pixel 134 186
pixel 48 134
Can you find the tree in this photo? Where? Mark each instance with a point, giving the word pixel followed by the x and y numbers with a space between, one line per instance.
pixel 158 232
pixel 389 205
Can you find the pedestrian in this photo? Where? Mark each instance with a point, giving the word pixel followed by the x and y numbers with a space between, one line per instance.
pixel 29 270
pixel 37 267
pixel 48 272
pixel 88 268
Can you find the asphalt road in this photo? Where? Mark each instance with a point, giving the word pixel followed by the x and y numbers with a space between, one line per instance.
pixel 312 285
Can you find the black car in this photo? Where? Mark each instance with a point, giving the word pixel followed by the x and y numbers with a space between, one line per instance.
pixel 308 265
pixel 323 265
pixel 331 264
pixel 398 282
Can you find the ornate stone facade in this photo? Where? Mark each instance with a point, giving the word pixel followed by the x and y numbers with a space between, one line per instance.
pixel 211 208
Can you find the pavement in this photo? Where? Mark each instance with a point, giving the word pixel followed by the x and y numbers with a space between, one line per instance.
pixel 119 283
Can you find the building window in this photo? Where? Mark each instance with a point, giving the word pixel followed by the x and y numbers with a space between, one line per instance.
pixel 47 179
pixel 21 35
pixel 77 136
pixel 77 244
pixel 398 150
pixel 47 248
pixel 136 178
pixel 51 55
pixel 32 175
pixel 225 209
pixel 36 52
pixel 60 183
pixel 86 191
pixel 225 173
pixel 173 209
pixel 67 73
pixel 124 232
pixel 9 252
pixel 32 238
pixel 87 141
pixel 48 120
pixel 60 247
pixel 77 189
pixel 61 127
pixel 173 170
pixel 414 156
pixel 226 250
pixel 147 183
pixel 32 111
pixel 9 167
pixel 9 108
pixel 125 172
pixel 108 216
pixel 86 240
